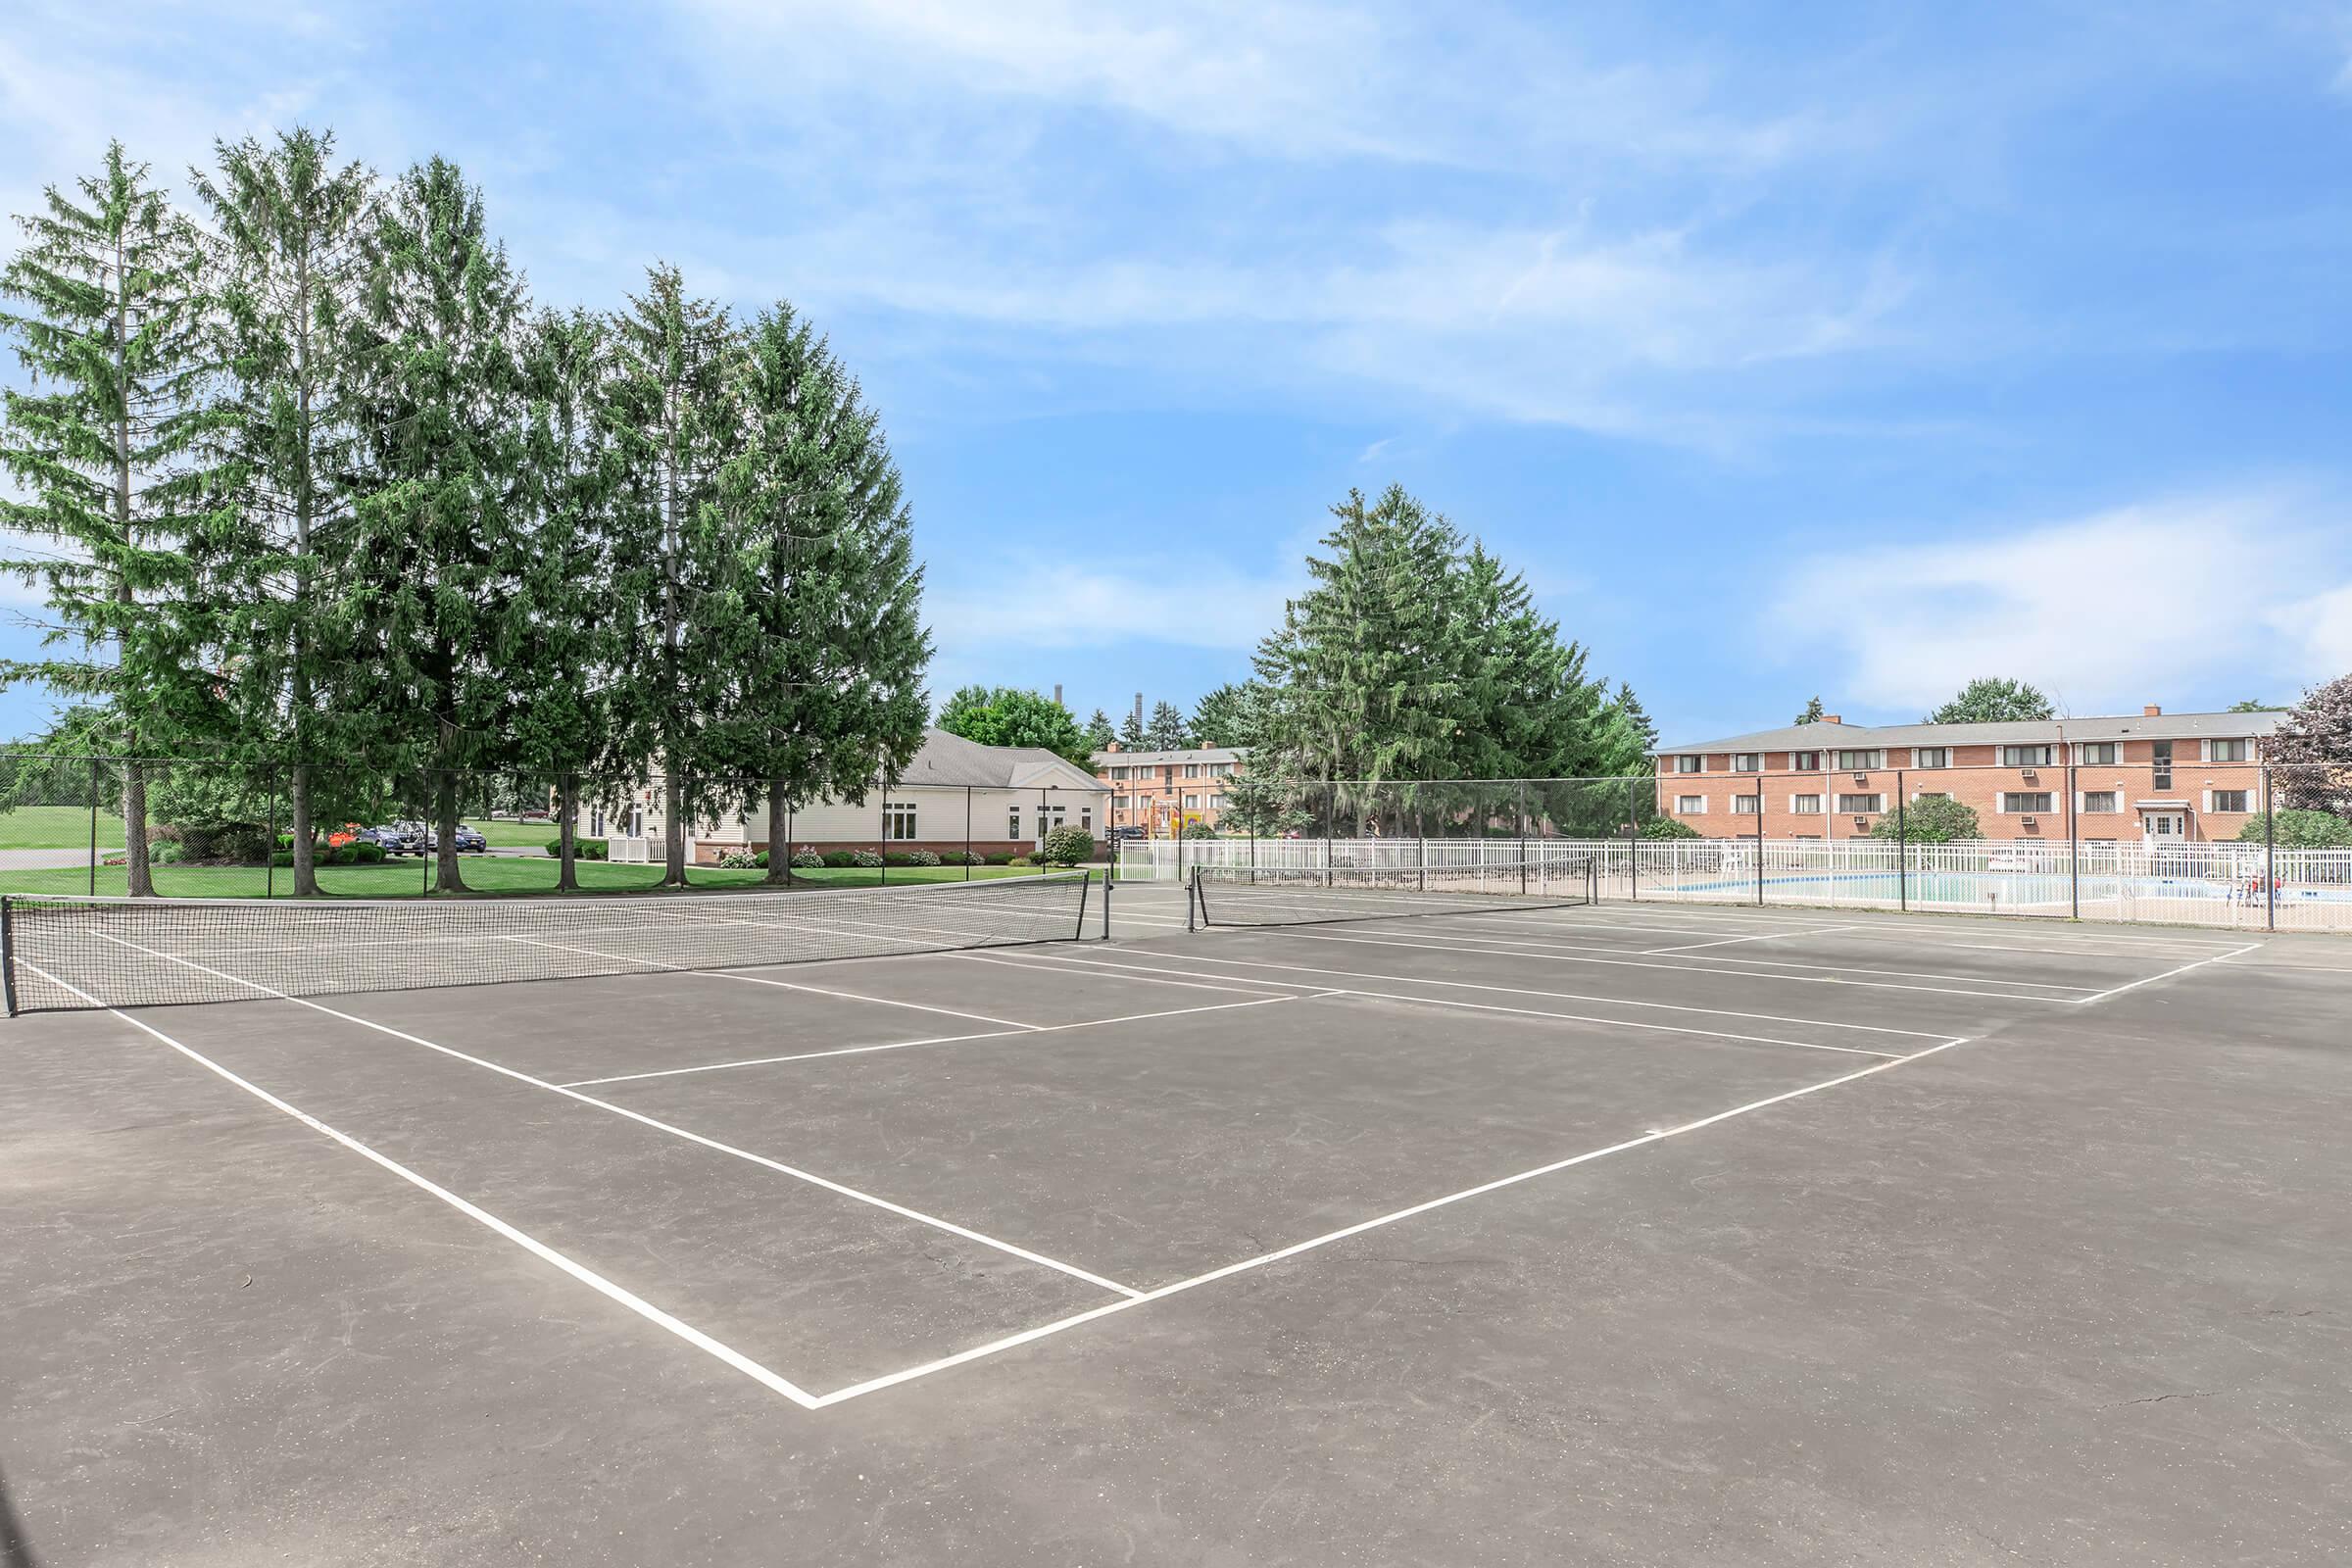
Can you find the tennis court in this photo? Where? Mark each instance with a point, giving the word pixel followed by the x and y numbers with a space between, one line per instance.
pixel 1376 1223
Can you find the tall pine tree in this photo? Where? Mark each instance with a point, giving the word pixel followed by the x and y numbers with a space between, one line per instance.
pixel 816 621
pixel 109 328
pixel 1166 732
pixel 1099 731
pixel 669 425
pixel 288 223
pixel 438 539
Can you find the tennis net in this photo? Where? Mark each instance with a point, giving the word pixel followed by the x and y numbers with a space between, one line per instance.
pixel 67 952
pixel 1267 895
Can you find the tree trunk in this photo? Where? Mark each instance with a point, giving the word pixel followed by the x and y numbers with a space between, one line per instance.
pixel 673 833
pixel 567 807
pixel 446 877
pixel 779 831
pixel 306 859
pixel 134 831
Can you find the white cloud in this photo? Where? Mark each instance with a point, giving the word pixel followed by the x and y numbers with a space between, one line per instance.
pixel 1187 602
pixel 2104 611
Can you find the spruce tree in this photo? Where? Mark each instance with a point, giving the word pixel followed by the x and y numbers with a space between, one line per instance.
pixel 1099 731
pixel 667 422
pixel 1166 732
pixel 1131 731
pixel 563 609
pixel 432 615
pixel 1229 716
pixel 1813 712
pixel 287 224
pixel 104 445
pixel 817 622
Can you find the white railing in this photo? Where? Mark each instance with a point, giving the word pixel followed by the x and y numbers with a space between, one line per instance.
pixel 2179 884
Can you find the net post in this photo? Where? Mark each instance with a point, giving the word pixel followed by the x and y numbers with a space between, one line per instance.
pixel 1192 901
pixel 8 951
pixel 2074 847
pixel 1902 849
pixel 2270 854
pixel 1109 882
pixel 1086 885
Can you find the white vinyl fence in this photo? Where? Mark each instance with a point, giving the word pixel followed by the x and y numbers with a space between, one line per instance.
pixel 2181 884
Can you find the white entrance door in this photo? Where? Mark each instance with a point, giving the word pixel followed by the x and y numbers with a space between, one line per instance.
pixel 2166 824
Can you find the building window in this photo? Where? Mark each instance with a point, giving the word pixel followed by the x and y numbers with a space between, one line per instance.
pixel 1861 761
pixel 1086 818
pixel 1805 804
pixel 1861 804
pixel 1012 825
pixel 1748 761
pixel 897 819
pixel 1744 805
pixel 2025 802
pixel 2226 800
pixel 2224 751
pixel 1690 806
pixel 2024 757
pixel 1930 795
pixel 1930 756
pixel 1216 803
pixel 1804 761
pixel 2096 753
pixel 2160 763
pixel 2099 802
pixel 1689 764
pixel 1192 803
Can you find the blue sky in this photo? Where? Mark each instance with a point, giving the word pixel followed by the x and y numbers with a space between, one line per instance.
pixel 1850 350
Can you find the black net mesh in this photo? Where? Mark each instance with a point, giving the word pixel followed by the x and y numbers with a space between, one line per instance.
pixel 66 952
pixel 1360 886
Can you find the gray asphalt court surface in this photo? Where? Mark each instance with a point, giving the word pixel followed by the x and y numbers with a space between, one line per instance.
pixel 1621 1234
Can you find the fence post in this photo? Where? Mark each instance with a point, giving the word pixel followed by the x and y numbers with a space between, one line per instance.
pixel 1042 831
pixel 2074 847
pixel 269 856
pixel 1330 793
pixel 94 829
pixel 2270 854
pixel 882 847
pixel 1633 839
pixel 1759 831
pixel 1523 838
pixel 1902 847
pixel 968 832
pixel 1422 882
pixel 425 857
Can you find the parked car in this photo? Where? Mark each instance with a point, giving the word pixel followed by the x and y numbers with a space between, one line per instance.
pixel 470 840
pixel 396 838
pixel 1128 831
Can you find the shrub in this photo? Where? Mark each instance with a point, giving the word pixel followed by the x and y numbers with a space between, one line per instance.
pixel 996 858
pixel 738 859
pixel 866 859
pixel 1930 819
pixel 1067 846
pixel 807 859
pixel 840 859
pixel 591 850
pixel 367 852
pixel 960 858
pixel 2301 829
pixel 1191 830
pixel 760 860
pixel 1667 827
pixel 163 853
pixel 921 858
pixel 341 855
pixel 283 858
pixel 1018 859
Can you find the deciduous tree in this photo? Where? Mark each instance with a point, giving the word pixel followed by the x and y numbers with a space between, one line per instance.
pixel 1992 699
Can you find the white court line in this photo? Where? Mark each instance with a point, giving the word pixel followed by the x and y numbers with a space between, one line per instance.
pixel 1761 936
pixel 1697 967
pixel 1511 991
pixel 1614 1023
pixel 1890 924
pixel 777 1165
pixel 1147 979
pixel 768 980
pixel 941 1040
pixel 2166 975
pixel 1030 1336
pixel 481 1216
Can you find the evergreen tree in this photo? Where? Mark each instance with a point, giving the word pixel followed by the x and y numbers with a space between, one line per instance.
pixel 1993 698
pixel 286 263
pixel 1230 715
pixel 2254 705
pixel 1637 724
pixel 667 424
pixel 438 537
pixel 1813 712
pixel 1099 732
pixel 103 446
pixel 1166 733
pixel 564 612
pixel 1131 731
pixel 818 625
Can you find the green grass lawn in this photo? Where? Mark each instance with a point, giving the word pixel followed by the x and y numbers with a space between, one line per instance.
pixel 483 874
pixel 57 828
pixel 505 835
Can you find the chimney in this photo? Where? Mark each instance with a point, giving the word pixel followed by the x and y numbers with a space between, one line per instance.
pixel 1832 718
pixel 1057 693
pixel 2151 712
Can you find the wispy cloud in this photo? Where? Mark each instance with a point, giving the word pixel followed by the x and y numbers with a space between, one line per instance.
pixel 1183 602
pixel 2132 605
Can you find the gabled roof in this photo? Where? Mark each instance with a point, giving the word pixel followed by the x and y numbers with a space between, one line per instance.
pixel 951 762
pixel 2020 732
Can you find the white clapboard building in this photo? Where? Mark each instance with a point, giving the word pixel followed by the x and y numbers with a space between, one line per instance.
pixel 955 794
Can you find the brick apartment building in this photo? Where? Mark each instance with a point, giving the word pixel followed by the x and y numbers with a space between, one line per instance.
pixel 1162 790
pixel 2150 776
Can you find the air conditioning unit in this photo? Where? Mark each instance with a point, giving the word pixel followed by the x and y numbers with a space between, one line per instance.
pixel 1861 821
pixel 2029 775
pixel 2029 821
pixel 1862 778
